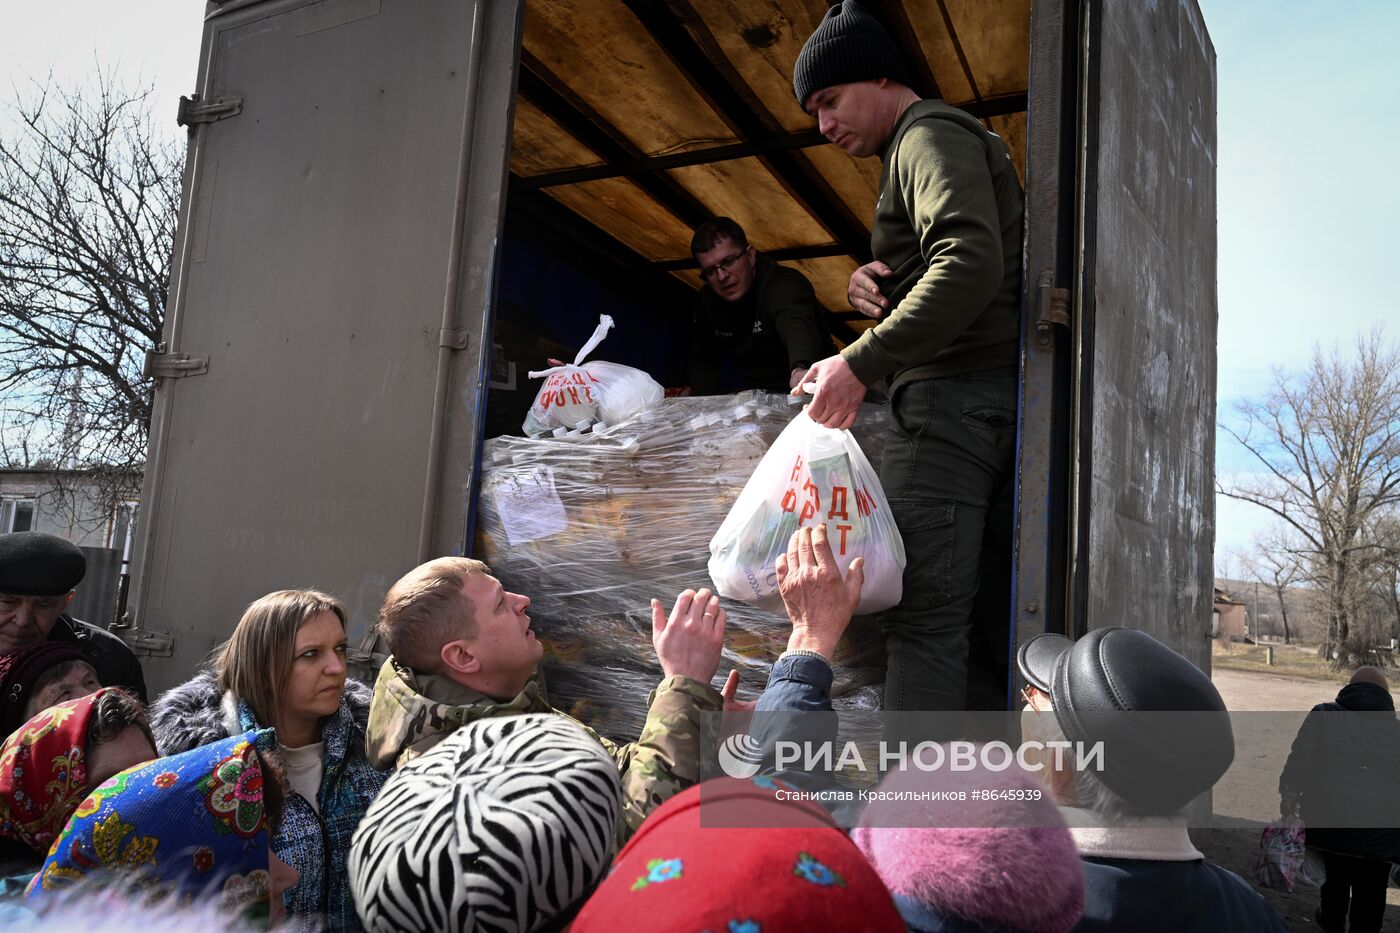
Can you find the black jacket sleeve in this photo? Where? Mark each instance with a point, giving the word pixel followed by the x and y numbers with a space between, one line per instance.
pixel 115 663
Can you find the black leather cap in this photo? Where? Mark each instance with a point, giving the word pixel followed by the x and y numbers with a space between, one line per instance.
pixel 1166 733
pixel 35 564
pixel 1036 659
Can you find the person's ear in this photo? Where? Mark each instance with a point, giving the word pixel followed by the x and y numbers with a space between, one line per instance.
pixel 457 656
pixel 69 601
pixel 1062 786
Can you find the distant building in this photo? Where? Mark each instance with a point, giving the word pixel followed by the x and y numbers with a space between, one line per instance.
pixel 1228 617
pixel 70 504
pixel 1265 613
pixel 98 516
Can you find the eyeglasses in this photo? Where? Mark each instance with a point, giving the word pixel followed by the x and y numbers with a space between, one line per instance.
pixel 724 265
pixel 1033 697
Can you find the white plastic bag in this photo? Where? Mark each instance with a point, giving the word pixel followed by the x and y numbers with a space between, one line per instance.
pixel 621 390
pixel 1281 854
pixel 590 392
pixel 811 475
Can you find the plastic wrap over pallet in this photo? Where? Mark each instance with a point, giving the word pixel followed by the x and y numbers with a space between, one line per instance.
pixel 593 525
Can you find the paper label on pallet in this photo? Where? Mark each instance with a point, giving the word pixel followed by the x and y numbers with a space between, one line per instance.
pixel 529 507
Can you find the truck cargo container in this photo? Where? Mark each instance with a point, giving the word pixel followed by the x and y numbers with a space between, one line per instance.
pixel 393 209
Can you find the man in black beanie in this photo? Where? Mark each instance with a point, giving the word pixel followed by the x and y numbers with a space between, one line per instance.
pixel 39 574
pixel 945 285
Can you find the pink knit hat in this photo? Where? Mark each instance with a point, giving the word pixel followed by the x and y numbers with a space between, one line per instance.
pixel 997 861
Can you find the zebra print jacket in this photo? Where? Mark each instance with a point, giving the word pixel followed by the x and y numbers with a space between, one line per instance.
pixel 410 714
pixel 197 712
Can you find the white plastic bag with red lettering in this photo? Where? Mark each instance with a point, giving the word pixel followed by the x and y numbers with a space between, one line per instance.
pixel 584 393
pixel 811 475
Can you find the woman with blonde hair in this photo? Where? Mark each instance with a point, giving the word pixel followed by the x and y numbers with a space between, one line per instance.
pixel 284 668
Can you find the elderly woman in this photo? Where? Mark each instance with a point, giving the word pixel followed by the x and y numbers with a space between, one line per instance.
pixel 284 668
pixel 195 824
pixel 41 675
pixel 50 763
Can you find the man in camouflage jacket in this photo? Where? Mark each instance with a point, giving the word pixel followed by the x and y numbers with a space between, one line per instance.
pixel 462 650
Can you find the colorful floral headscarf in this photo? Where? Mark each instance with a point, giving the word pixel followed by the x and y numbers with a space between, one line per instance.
pixel 43 772
pixel 191 824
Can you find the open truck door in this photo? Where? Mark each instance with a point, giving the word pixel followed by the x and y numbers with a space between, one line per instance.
pixel 322 386
pixel 316 407
pixel 1115 497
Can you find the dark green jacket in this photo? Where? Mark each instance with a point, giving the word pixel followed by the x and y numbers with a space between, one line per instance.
pixel 948 223
pixel 774 329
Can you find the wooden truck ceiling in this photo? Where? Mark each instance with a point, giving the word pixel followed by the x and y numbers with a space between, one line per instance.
pixel 647 117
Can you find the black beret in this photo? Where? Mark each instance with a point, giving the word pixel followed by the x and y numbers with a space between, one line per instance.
pixel 35 564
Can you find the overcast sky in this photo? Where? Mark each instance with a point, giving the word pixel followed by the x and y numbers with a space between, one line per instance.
pixel 1308 131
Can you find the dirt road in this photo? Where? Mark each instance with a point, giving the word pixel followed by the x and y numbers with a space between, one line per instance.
pixel 1258 692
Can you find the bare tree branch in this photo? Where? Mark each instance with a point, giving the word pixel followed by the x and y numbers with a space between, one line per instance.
pixel 1328 440
pixel 89 195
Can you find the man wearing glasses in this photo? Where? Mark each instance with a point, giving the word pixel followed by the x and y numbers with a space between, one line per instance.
pixel 756 324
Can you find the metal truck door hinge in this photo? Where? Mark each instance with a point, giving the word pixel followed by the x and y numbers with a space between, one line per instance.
pixel 193 110
pixel 453 337
pixel 1054 309
pixel 162 365
pixel 146 642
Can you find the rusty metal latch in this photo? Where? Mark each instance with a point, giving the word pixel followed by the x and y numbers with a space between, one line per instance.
pixel 162 365
pixel 193 110
pixel 1054 309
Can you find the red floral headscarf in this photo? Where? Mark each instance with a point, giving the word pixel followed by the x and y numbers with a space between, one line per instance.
pixel 43 772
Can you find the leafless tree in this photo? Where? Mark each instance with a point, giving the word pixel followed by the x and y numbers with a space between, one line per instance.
pixel 1328 440
pixel 1384 570
pixel 89 193
pixel 1278 561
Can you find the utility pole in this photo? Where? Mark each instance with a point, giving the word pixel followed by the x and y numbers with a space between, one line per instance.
pixel 1256 614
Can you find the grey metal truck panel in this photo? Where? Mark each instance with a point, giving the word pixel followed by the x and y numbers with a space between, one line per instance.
pixel 1145 521
pixel 333 266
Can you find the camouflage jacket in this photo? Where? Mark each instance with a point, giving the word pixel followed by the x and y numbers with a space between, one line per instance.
pixel 406 719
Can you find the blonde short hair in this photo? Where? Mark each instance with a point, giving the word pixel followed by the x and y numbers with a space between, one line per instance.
pixel 426 609
pixel 257 659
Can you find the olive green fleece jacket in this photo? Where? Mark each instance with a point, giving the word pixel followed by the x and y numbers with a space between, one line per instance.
pixel 948 223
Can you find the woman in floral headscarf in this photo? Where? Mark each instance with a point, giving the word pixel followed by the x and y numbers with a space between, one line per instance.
pixel 54 760
pixel 195 824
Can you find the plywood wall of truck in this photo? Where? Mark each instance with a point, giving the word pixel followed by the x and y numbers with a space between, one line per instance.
pixel 645 81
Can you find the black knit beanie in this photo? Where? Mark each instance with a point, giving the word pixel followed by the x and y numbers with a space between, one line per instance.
pixel 848 45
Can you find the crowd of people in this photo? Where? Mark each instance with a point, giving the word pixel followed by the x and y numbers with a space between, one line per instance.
pixel 453 796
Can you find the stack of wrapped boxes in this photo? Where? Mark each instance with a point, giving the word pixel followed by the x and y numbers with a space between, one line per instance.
pixel 594 524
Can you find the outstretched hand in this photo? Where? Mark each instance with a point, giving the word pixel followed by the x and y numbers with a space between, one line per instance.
pixel 818 601
pixel 689 640
pixel 731 687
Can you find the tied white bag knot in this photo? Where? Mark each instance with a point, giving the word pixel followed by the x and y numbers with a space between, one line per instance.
pixel 811 475
pixel 590 392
